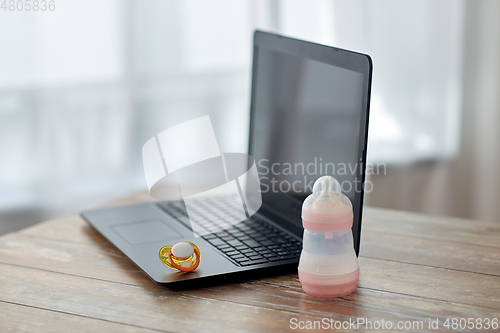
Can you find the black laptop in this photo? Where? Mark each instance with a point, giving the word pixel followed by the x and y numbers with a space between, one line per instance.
pixel 308 118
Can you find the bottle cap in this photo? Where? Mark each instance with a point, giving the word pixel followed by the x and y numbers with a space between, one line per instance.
pixel 327 209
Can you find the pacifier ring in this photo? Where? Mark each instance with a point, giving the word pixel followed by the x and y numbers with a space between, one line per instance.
pixel 184 257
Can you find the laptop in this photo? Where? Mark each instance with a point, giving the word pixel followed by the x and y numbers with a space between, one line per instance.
pixel 308 118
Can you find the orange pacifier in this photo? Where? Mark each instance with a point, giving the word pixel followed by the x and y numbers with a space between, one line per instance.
pixel 184 257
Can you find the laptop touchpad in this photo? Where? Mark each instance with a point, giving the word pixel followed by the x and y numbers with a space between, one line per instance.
pixel 147 231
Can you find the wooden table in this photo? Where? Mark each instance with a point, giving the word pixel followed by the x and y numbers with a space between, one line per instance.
pixel 62 275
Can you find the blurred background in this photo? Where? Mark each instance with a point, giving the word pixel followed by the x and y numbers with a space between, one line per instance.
pixel 84 86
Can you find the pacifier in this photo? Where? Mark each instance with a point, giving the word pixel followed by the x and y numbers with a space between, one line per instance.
pixel 184 257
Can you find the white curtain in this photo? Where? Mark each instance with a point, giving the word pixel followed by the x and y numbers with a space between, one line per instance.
pixel 469 184
pixel 84 86
pixel 88 84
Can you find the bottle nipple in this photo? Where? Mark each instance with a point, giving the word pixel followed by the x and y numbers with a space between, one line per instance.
pixel 327 208
pixel 327 192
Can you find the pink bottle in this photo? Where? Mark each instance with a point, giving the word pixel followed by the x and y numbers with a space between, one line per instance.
pixel 328 265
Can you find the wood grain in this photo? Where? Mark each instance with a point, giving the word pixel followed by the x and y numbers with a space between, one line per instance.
pixel 413 267
pixel 431 252
pixel 145 306
pixel 106 263
pixel 22 318
pixel 438 228
pixel 256 305
pixel 375 244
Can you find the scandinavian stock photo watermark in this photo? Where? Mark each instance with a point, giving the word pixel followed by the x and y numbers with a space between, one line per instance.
pixel 362 323
pixel 27 5
pixel 185 162
pixel 299 177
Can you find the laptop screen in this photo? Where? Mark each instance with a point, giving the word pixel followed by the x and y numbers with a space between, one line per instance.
pixel 305 123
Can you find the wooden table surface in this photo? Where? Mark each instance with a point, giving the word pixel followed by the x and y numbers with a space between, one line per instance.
pixel 61 275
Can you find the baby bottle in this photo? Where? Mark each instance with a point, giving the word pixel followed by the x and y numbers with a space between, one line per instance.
pixel 328 265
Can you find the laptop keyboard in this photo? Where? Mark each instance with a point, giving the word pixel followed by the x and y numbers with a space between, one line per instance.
pixel 250 242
